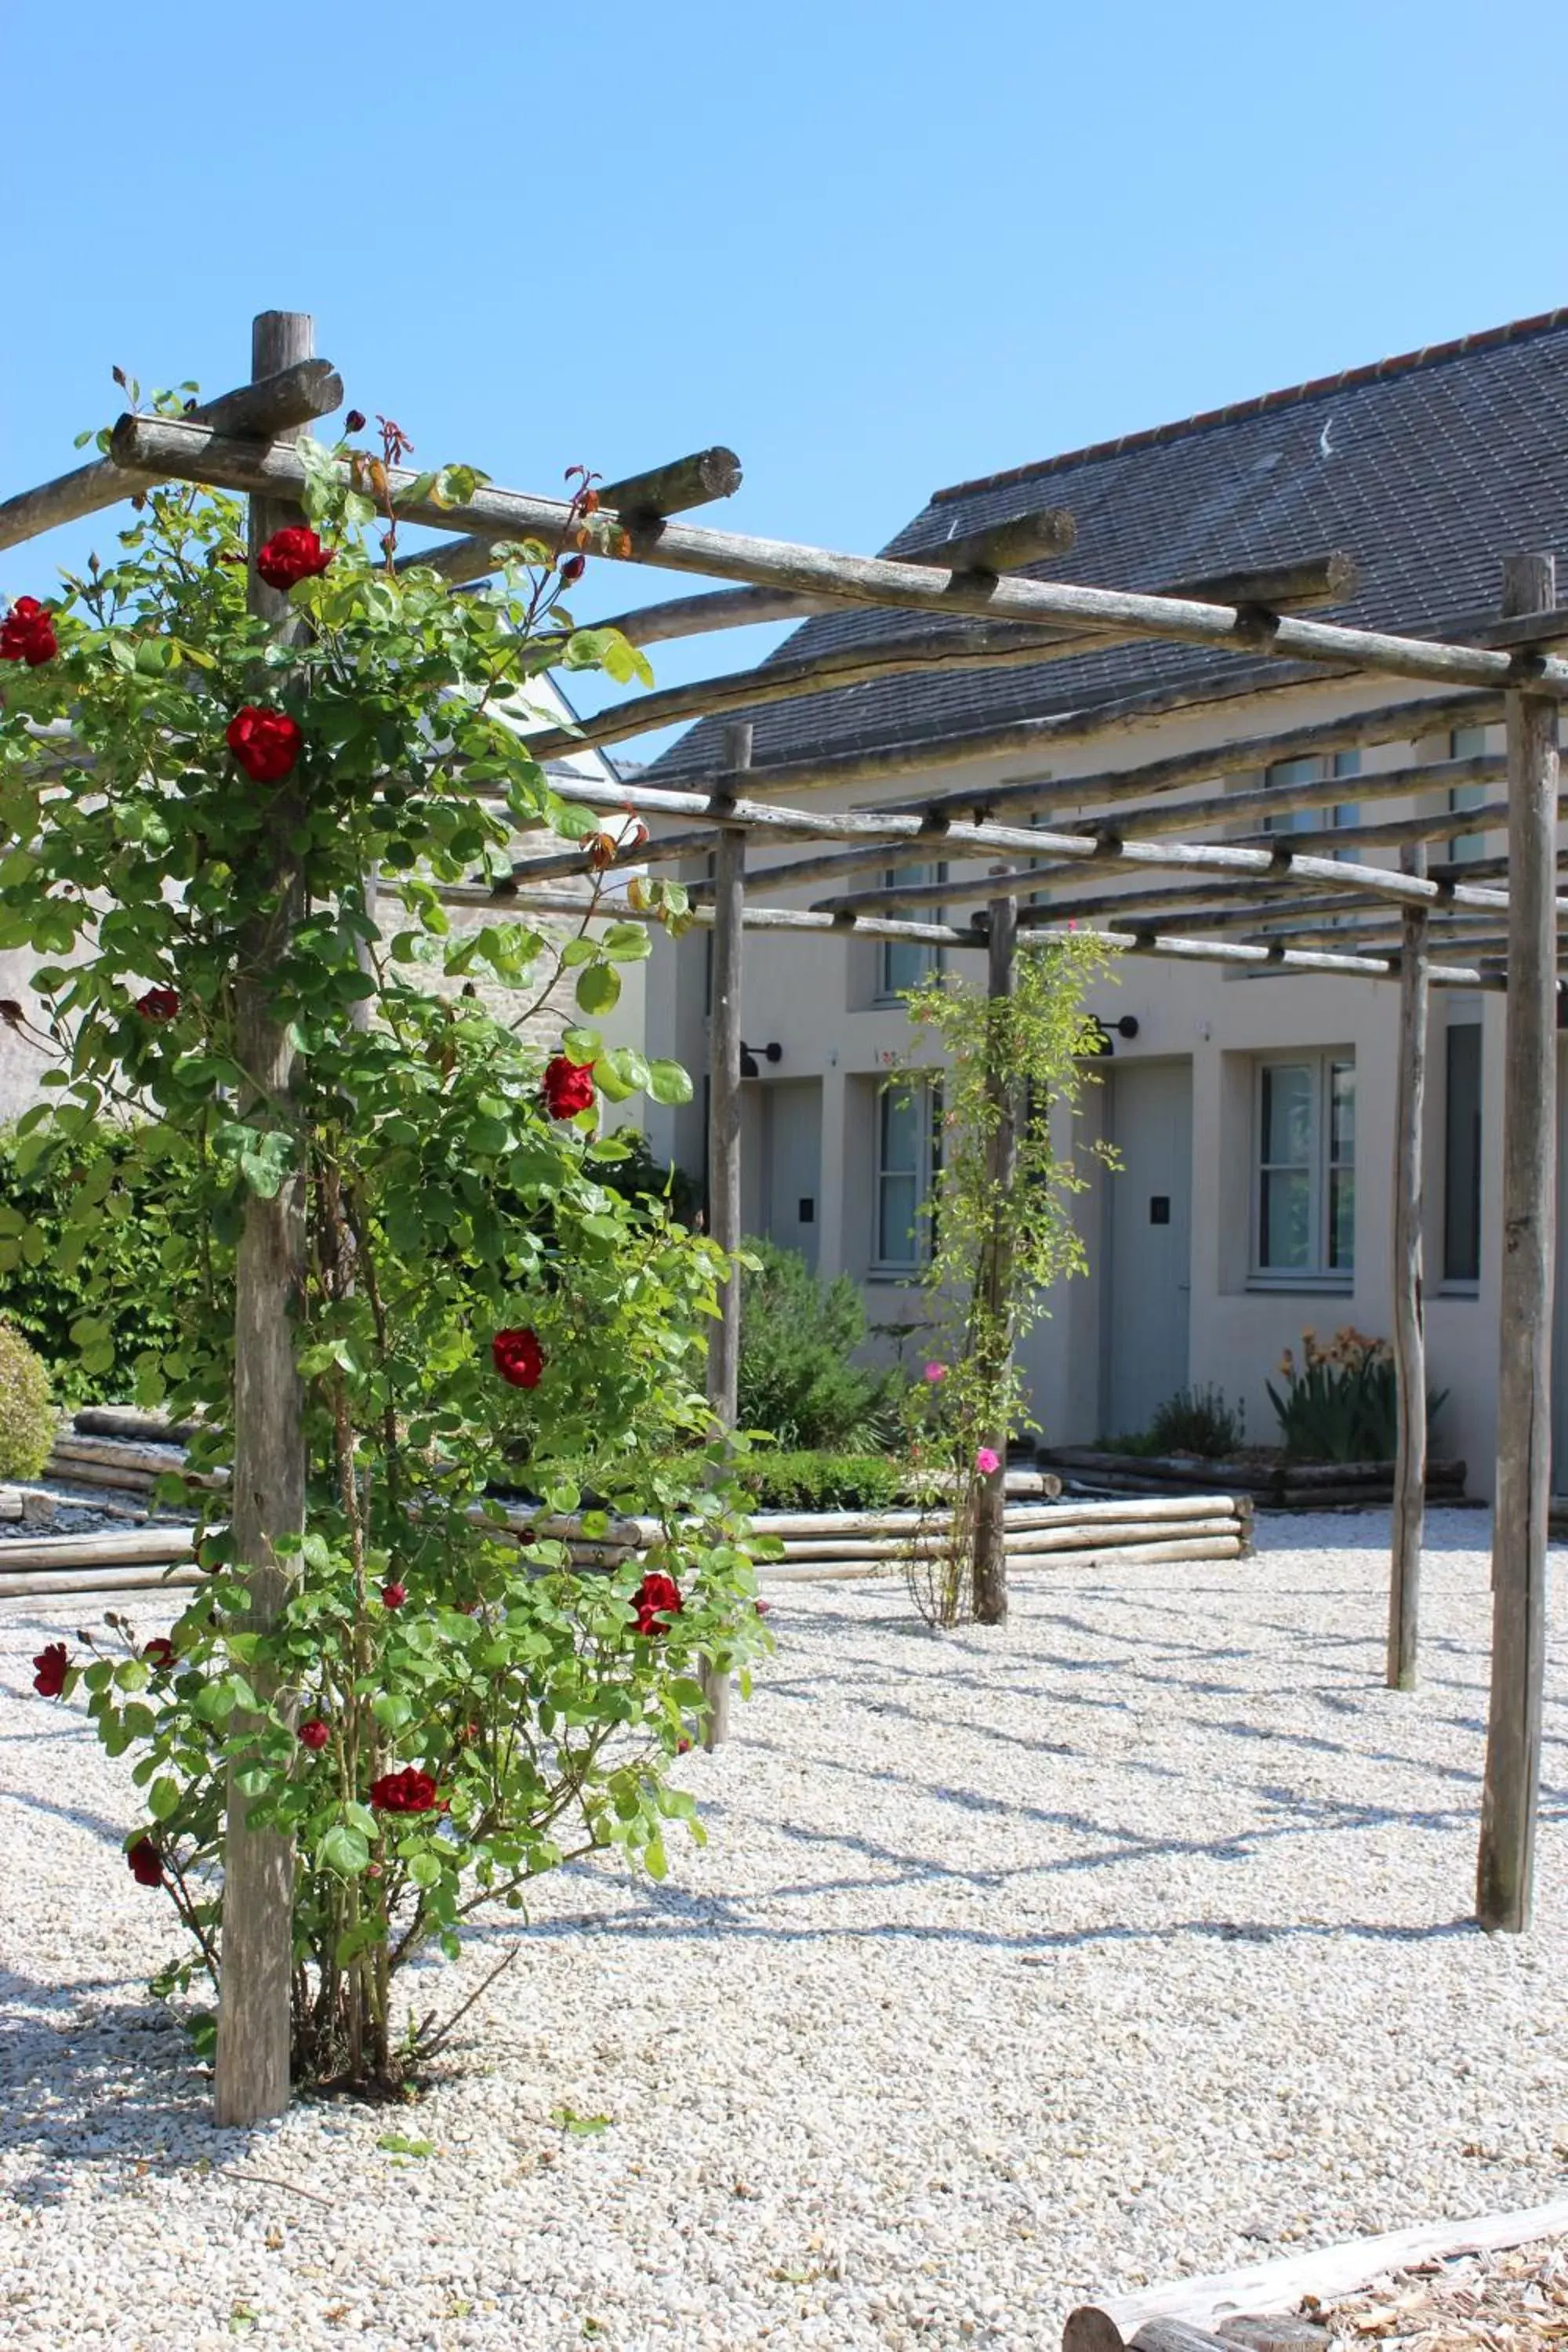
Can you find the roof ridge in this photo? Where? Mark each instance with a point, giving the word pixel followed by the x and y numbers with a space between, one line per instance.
pixel 1429 356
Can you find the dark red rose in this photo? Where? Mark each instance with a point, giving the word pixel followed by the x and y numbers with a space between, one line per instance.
pixel 290 556
pixel 315 1734
pixel 408 1791
pixel 53 1663
pixel 11 1012
pixel 393 1596
pixel 28 634
pixel 568 1087
pixel 765 1608
pixel 146 1863
pixel 158 1004
pixel 572 571
pixel 657 1597
pixel 266 743
pixel 160 1654
pixel 683 1746
pixel 518 1358
pixel 354 421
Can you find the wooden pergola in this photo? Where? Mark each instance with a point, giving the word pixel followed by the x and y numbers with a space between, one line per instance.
pixel 1125 861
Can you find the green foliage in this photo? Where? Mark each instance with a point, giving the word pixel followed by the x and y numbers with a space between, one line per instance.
pixel 479 1709
pixel 822 1482
pixel 84 1238
pixel 997 1249
pixel 26 1411
pixel 1198 1420
pixel 797 1382
pixel 1341 1403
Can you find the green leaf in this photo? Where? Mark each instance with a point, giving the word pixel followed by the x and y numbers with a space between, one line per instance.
pixel 626 942
pixel 669 1083
pixel 598 988
pixel 343 1850
pixel 163 1798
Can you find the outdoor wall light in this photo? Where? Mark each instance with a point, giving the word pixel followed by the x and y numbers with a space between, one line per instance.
pixel 1102 1045
pixel 749 1069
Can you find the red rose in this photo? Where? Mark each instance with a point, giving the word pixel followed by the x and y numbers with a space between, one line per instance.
pixel 266 743
pixel 52 1664
pixel 146 1863
pixel 657 1597
pixel 518 1358
pixel 408 1791
pixel 765 1608
pixel 158 1004
pixel 572 571
pixel 393 1596
pixel 290 556
pixel 354 421
pixel 568 1087
pixel 160 1654
pixel 28 634
pixel 315 1734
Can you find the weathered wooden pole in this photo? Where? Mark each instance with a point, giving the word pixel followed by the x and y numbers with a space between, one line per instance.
pixel 253 2031
pixel 1505 1865
pixel 724 1142
pixel 993 1298
pixel 1409 1297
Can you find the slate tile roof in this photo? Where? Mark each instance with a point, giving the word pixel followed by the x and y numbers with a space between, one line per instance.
pixel 1427 469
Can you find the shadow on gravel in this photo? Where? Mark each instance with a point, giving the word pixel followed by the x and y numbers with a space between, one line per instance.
pixel 96 2078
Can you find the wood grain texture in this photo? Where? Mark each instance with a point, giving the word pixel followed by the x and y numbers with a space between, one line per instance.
pixel 1409 1320
pixel 996 1273
pixel 251 2082
pixel 1506 1860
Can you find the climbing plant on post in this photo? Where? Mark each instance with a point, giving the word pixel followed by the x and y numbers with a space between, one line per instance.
pixel 402 1279
pixel 1000 1216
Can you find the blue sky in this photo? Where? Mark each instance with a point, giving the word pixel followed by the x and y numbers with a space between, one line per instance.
pixel 873 248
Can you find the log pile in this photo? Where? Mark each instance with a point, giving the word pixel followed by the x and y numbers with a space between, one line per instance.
pixel 1272 1484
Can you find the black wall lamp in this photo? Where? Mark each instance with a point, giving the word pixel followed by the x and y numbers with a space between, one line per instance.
pixel 1101 1044
pixel 749 1069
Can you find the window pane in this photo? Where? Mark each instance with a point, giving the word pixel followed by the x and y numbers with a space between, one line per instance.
pixel 900 1152
pixel 1294 771
pixel 1467 743
pixel 905 963
pixel 1285 1223
pixel 896 1220
pixel 1462 1157
pixel 1342 1218
pixel 1342 1112
pixel 1287 1114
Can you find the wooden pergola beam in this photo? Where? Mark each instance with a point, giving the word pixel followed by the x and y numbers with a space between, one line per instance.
pixel 1007 648
pixel 196 453
pixel 675 489
pixel 257 411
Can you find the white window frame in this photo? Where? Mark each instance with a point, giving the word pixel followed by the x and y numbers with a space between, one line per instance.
pixel 1319 1276
pixel 1318 769
pixel 927 1101
pixel 887 992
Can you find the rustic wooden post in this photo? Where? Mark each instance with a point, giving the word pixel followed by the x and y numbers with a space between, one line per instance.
pixel 1409 1298
pixel 253 2032
pixel 724 1142
pixel 994 1286
pixel 1505 1865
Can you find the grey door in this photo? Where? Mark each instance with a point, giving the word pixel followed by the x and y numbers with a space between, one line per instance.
pixel 792 1164
pixel 1147 1241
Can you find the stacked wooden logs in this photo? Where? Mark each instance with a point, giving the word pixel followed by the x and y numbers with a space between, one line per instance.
pixel 1275 1484
pixel 1090 2329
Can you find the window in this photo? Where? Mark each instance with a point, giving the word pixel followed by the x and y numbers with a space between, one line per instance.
pixel 905 964
pixel 1462 1155
pixel 1305 1216
pixel 906 1157
pixel 1467 743
pixel 1315 820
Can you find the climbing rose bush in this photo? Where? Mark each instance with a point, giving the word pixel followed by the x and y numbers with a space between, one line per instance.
pixel 519 1550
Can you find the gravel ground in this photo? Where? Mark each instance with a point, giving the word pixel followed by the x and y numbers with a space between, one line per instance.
pixel 1022 1967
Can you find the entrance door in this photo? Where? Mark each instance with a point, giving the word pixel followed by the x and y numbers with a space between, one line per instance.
pixel 1147 1230
pixel 792 1164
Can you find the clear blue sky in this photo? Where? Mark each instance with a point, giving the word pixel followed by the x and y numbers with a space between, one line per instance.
pixel 873 247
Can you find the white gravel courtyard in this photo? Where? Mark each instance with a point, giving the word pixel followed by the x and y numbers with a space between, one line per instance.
pixel 1021 1967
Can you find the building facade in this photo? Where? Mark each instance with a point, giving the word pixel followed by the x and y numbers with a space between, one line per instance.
pixel 1252 1114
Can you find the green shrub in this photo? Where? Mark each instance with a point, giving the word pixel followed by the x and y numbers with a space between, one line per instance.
pixel 797 1337
pixel 821 1482
pixel 51 1284
pixel 1198 1420
pixel 1342 1404
pixel 27 1413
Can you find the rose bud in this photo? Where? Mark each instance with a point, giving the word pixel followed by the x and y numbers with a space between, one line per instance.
pixel 315 1734
pixel 393 1596
pixel 354 421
